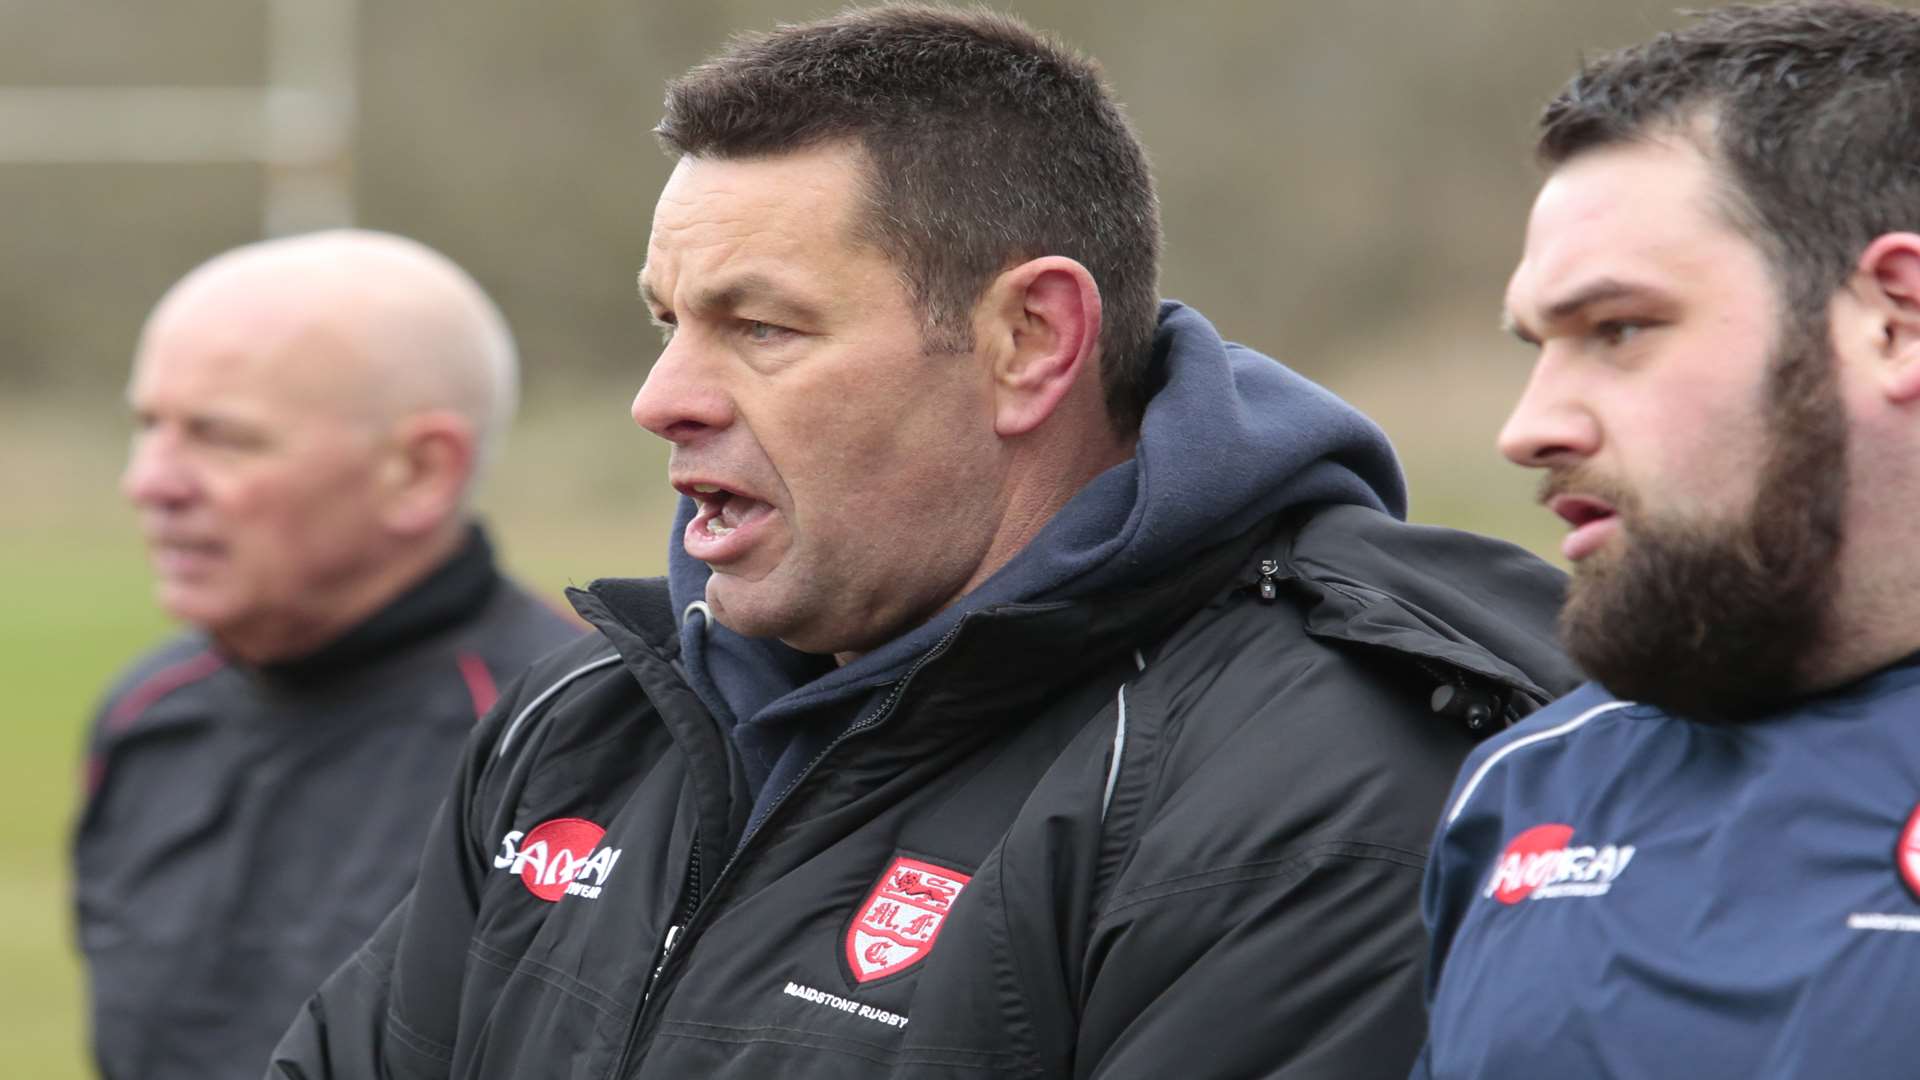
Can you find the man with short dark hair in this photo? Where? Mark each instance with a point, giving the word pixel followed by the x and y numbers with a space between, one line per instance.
pixel 1041 684
pixel 1702 863
pixel 309 414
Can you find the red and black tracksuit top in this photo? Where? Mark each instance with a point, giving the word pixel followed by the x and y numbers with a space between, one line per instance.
pixel 245 829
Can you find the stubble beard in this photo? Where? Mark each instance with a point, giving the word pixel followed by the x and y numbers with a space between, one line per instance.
pixel 1722 621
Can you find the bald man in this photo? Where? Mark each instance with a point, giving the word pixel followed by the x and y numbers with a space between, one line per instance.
pixel 310 416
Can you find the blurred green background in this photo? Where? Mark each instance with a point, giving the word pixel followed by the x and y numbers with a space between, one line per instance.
pixel 1344 185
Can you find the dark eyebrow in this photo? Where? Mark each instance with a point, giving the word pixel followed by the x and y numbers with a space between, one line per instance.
pixel 1595 292
pixel 748 288
pixel 759 289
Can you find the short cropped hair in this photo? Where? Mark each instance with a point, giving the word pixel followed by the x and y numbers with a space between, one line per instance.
pixel 1814 108
pixel 985 144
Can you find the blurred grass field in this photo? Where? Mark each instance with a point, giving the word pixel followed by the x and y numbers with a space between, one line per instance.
pixel 74 611
pixel 578 497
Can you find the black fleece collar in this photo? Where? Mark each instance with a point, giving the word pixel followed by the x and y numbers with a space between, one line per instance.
pixel 449 594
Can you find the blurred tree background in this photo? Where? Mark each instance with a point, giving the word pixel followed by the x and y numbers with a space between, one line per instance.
pixel 1344 187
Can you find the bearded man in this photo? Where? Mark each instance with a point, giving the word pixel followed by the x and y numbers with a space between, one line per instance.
pixel 1704 862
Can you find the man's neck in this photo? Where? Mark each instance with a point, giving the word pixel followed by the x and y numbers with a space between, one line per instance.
pixel 1870 622
pixel 291 639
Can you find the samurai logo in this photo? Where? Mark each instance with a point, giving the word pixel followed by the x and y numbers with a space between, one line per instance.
pixel 559 858
pixel 1543 863
pixel 901 918
pixel 1907 853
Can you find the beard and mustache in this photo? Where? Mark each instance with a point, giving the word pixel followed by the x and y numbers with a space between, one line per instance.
pixel 1723 620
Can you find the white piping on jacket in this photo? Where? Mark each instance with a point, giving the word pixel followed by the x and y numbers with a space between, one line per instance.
pixel 1119 739
pixel 506 739
pixel 1497 756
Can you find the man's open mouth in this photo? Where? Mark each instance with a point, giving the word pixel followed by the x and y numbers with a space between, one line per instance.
pixel 1578 510
pixel 721 509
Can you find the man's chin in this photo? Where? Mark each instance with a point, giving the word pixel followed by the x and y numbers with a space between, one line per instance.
pixel 747 607
pixel 1592 585
pixel 189 604
pixel 1603 561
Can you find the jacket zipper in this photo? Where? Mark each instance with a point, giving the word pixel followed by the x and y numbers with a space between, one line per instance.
pixel 687 908
pixel 676 933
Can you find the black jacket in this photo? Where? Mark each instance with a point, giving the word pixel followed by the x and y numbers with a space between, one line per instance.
pixel 246 829
pixel 963 883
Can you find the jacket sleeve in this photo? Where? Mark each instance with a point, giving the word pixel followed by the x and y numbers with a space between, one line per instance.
pixel 1305 967
pixel 392 1009
pixel 1462 854
pixel 1440 922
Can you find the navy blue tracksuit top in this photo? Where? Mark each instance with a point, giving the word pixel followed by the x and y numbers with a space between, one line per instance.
pixel 1618 892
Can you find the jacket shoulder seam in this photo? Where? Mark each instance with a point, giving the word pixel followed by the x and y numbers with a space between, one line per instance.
pixel 1241 873
pixel 513 729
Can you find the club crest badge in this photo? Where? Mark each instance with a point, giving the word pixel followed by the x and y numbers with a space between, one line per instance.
pixel 1906 855
pixel 896 927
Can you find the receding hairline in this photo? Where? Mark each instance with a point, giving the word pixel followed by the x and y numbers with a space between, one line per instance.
pixel 862 226
pixel 1693 124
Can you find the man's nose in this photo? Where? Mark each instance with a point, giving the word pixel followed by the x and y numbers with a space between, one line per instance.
pixel 157 474
pixel 684 396
pixel 1549 423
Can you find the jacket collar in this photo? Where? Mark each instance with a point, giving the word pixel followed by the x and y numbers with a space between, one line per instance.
pixel 1450 601
pixel 1440 597
pixel 998 659
pixel 448 595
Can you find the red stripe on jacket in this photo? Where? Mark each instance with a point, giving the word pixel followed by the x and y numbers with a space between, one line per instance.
pixel 159 685
pixel 479 683
pixel 138 700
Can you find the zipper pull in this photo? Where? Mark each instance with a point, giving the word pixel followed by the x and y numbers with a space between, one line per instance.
pixel 1269 589
pixel 666 950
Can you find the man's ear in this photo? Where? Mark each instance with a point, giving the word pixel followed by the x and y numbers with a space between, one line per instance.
pixel 427 470
pixel 1889 278
pixel 1041 320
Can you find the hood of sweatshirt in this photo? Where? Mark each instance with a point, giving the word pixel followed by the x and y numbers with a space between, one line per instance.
pixel 1231 438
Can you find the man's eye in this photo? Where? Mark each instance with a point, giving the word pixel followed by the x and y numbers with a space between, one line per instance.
pixel 763 333
pixel 1617 331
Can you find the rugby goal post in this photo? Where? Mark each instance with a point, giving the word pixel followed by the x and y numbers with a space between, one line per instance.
pixel 299 125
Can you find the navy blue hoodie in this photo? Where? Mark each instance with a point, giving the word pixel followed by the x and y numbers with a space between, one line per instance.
pixel 1231 438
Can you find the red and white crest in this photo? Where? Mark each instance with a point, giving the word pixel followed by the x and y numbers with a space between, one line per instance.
pixel 901 918
pixel 1907 855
